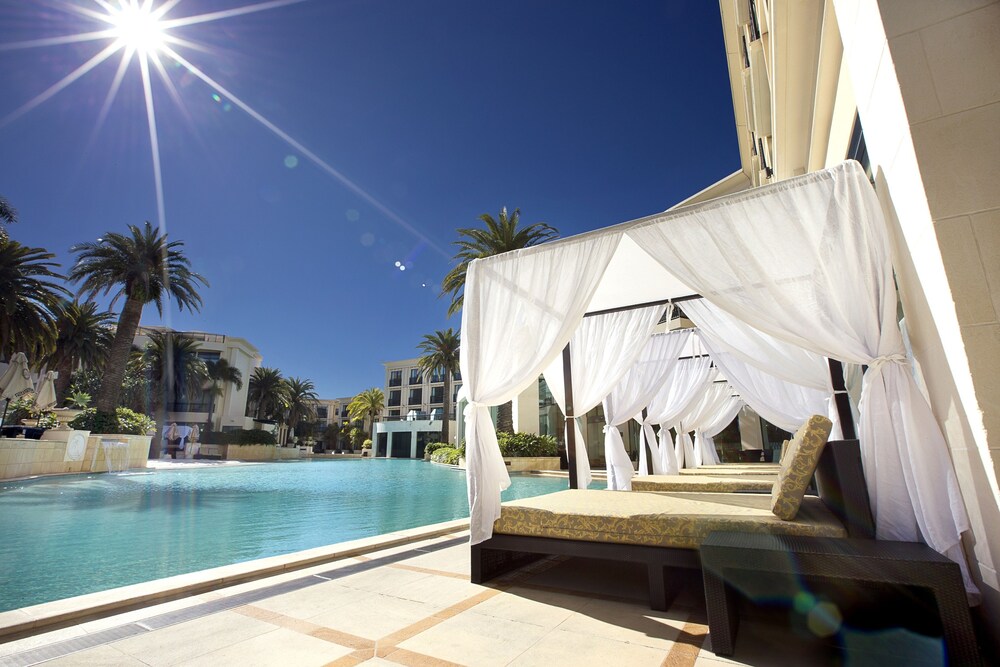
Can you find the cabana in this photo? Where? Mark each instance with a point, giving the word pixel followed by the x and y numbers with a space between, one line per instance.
pixel 804 261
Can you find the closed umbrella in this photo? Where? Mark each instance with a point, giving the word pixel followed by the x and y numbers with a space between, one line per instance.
pixel 45 397
pixel 16 381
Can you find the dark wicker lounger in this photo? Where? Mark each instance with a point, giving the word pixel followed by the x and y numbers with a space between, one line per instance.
pixel 840 483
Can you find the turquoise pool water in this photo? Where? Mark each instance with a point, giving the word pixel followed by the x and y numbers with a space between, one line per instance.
pixel 66 536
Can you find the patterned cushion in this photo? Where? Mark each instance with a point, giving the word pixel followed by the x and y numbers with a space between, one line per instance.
pixel 702 484
pixel 681 520
pixel 801 457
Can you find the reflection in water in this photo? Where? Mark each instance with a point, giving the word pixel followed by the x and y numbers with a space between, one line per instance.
pixel 67 536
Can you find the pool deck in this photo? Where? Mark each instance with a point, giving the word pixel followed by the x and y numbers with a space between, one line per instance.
pixel 406 599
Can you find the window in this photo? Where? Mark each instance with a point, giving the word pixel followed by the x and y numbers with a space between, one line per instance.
pixel 321 412
pixel 414 376
pixel 437 375
pixel 394 397
pixel 437 395
pixel 416 397
pixel 454 392
pixel 395 378
pixel 859 150
pixel 457 376
pixel 393 413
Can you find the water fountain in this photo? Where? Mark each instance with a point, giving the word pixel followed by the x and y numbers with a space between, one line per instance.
pixel 115 456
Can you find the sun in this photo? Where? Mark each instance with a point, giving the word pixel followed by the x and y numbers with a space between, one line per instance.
pixel 138 27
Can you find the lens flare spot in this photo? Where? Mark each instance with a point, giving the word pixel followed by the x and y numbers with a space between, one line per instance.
pixel 824 619
pixel 398 264
pixel 353 214
pixel 367 239
pixel 227 107
pixel 803 602
pixel 215 96
pixel 291 161
pixel 402 268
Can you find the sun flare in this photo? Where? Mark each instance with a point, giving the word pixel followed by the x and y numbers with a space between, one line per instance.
pixel 138 27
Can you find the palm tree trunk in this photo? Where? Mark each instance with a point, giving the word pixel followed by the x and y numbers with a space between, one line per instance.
pixel 447 407
pixel 505 418
pixel 114 369
pixel 65 370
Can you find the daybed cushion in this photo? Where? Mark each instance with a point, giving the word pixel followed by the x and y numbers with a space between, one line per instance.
pixel 702 484
pixel 716 471
pixel 801 458
pixel 681 520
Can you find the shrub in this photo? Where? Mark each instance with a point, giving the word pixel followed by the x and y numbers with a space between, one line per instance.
pixel 367 444
pixel 527 444
pixel 243 437
pixel 434 446
pixel 449 455
pixel 48 420
pixel 122 420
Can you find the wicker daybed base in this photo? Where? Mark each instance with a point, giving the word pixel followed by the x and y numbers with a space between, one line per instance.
pixel 842 492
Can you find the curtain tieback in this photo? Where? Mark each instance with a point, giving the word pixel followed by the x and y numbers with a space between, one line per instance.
pixel 877 363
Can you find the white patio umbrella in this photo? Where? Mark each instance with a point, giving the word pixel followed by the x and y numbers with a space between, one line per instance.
pixel 45 396
pixel 16 381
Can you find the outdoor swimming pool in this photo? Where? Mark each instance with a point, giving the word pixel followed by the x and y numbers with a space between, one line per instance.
pixel 65 536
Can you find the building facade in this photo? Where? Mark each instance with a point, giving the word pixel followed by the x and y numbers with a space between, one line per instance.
pixel 229 410
pixel 414 410
pixel 911 89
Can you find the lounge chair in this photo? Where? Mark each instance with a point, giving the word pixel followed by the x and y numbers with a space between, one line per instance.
pixel 664 530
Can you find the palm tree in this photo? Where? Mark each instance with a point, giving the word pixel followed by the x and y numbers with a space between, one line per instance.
pixel 500 235
pixel 177 373
pixel 143 267
pixel 8 215
pixel 268 393
pixel 368 403
pixel 220 371
pixel 29 298
pixel 83 336
pixel 440 352
pixel 301 401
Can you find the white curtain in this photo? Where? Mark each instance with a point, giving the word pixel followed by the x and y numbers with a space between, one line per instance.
pixel 782 403
pixel 685 384
pixel 632 393
pixel 807 261
pixel 751 346
pixel 518 315
pixel 704 412
pixel 711 422
pixel 596 367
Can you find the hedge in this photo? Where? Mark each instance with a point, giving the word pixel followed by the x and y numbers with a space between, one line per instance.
pixel 527 444
pixel 449 455
pixel 242 437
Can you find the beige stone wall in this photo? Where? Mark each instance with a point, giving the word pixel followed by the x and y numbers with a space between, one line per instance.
pixel 261 453
pixel 525 463
pixel 927 82
pixel 24 458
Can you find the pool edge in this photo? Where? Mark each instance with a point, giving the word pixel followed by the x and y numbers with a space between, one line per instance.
pixel 27 621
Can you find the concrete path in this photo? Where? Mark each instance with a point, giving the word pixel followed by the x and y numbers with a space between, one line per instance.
pixel 414 605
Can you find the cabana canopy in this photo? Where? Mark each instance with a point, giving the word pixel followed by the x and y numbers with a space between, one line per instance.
pixel 805 261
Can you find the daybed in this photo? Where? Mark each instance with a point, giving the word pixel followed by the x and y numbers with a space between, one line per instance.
pixel 665 530
pixel 703 483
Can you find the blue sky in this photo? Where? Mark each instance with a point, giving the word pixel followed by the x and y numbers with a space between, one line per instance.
pixel 582 114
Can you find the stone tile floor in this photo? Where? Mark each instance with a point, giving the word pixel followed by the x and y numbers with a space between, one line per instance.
pixel 414 605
